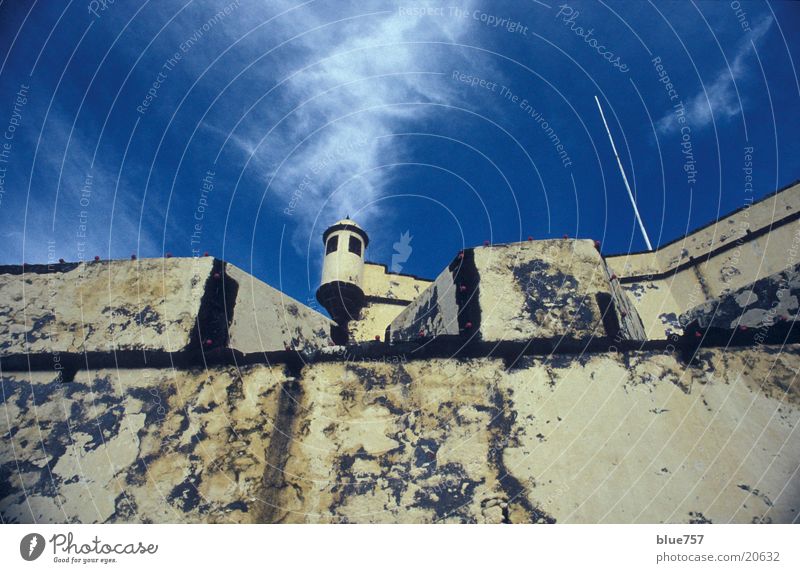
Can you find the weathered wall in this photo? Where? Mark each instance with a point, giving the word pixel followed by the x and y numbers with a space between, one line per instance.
pixel 772 212
pixel 659 303
pixel 138 445
pixel 602 438
pixel 161 309
pixel 264 319
pixel 520 427
pixel 631 437
pixel 737 250
pixel 380 283
pixel 519 292
pixel 764 311
pixel 434 312
pixel 373 320
pixel 740 248
pixel 386 294
pixel 149 304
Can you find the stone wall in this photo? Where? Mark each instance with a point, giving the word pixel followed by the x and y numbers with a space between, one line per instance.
pixel 740 248
pixel 386 294
pixel 531 382
pixel 159 311
pixel 761 239
pixel 537 292
pixel 380 283
pixel 372 321
pixel 147 305
pixel 606 437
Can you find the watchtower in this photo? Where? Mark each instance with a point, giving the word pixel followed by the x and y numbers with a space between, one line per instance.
pixel 341 289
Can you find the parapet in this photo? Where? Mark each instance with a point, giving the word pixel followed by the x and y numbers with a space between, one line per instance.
pixel 758 240
pixel 149 311
pixel 386 294
pixel 762 312
pixel 266 320
pixel 554 292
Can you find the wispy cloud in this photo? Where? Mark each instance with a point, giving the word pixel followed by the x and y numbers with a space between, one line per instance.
pixel 351 73
pixel 719 99
pixel 355 73
pixel 76 208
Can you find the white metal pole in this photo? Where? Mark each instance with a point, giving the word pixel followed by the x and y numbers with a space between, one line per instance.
pixel 624 178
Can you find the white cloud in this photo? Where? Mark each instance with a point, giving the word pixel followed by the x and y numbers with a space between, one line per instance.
pixel 362 59
pixel 719 97
pixel 355 73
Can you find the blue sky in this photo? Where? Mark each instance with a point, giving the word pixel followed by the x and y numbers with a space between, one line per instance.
pixel 245 128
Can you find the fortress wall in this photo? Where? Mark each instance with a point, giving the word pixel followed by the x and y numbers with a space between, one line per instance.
pixel 136 446
pixel 752 260
pixel 763 311
pixel 605 437
pixel 543 289
pixel 381 286
pixel 434 312
pixel 737 250
pixel 380 283
pixel 370 435
pixel 634 264
pixel 264 319
pixel 555 290
pixel 373 320
pixel 132 311
pixel 150 304
pixel 646 440
pixel 601 438
pixel 660 302
pixel 766 213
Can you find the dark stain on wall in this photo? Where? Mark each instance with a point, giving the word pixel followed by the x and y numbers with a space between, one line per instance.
pixel 546 288
pixel 451 496
pixel 274 479
pixel 465 272
pixel 502 429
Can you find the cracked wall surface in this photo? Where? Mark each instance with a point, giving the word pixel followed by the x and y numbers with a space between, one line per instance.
pixel 742 247
pixel 102 306
pixel 138 445
pixel 555 290
pixel 604 437
pixel 528 383
pixel 158 310
pixel 386 294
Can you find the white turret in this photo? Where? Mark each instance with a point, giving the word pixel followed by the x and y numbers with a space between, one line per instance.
pixel 340 290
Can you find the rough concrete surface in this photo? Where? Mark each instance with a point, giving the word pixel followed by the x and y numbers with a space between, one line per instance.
pixel 539 290
pixel 528 383
pixel 266 320
pixel 740 248
pixel 149 304
pixel 380 283
pixel 764 311
pixel 138 445
pixel 121 312
pixel 631 437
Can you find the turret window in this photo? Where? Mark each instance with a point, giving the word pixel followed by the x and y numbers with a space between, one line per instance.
pixel 355 245
pixel 333 242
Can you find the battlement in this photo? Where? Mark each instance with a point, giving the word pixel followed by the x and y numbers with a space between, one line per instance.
pixel 529 297
pixel 186 390
pixel 556 293
pixel 148 312
pixel 740 248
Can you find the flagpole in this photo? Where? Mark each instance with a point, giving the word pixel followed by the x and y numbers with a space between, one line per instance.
pixel 624 178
